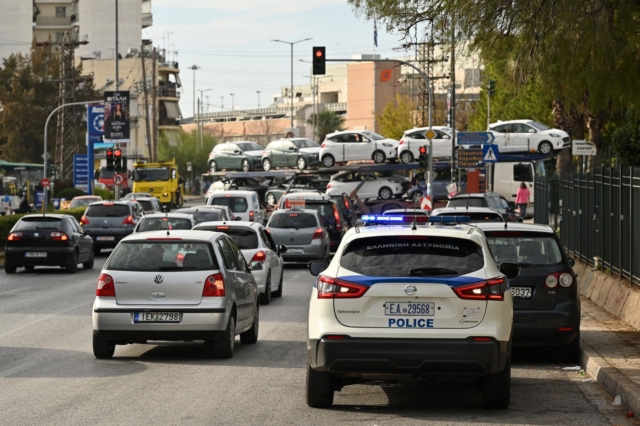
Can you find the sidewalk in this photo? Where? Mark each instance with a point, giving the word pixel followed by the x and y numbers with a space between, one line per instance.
pixel 611 353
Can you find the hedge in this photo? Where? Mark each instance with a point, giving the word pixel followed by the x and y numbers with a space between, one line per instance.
pixel 7 222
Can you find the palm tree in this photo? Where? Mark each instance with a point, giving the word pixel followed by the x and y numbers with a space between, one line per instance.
pixel 327 122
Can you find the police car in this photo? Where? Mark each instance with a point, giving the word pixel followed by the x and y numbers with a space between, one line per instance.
pixel 410 297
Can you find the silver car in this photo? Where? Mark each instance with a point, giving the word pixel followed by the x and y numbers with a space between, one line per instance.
pixel 175 286
pixel 165 221
pixel 301 231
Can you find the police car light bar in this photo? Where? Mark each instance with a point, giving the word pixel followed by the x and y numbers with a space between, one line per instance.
pixel 390 219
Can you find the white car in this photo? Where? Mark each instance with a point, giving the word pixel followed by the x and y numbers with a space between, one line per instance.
pixel 259 251
pixel 356 145
pixel 243 204
pixel 383 187
pixel 528 135
pixel 402 302
pixel 412 140
pixel 226 209
pixel 164 222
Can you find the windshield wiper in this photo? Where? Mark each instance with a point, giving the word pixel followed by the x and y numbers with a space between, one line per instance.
pixel 174 268
pixel 432 271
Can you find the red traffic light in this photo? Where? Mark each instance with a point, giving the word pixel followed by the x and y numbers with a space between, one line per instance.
pixel 109 153
pixel 319 53
pixel 118 153
pixel 423 150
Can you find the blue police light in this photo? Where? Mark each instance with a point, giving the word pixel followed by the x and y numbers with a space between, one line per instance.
pixel 373 219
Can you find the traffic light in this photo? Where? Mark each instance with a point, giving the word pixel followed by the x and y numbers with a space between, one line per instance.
pixel 423 158
pixel 124 164
pixel 110 160
pixel 118 160
pixel 319 61
pixel 491 87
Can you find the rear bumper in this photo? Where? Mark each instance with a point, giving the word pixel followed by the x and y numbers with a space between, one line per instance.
pixel 55 256
pixel 542 328
pixel 432 357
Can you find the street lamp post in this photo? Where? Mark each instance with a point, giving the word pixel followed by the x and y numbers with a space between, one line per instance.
pixel 232 95
pixel 194 68
pixel 258 92
pixel 200 107
pixel 291 44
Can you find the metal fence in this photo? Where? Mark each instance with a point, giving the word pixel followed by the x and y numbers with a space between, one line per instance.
pixel 595 214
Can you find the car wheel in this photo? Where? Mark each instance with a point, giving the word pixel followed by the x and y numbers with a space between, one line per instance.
pixel 278 292
pixel 271 199
pixel 571 352
pixel 378 157
pixel 30 267
pixel 415 197
pixel 328 161
pixel 319 388
pixel 72 266
pixel 89 263
pixel 301 163
pixel 406 157
pixel 251 336
pixel 245 166
pixel 545 147
pixel 9 269
pixel 213 166
pixel 496 392
pixel 385 193
pixel 223 347
pixel 266 164
pixel 265 298
pixel 103 349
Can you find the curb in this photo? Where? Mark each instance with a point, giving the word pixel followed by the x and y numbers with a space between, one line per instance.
pixel 610 378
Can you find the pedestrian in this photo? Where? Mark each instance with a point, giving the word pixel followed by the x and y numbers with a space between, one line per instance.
pixel 522 198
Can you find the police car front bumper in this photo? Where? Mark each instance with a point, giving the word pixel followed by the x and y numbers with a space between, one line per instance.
pixel 415 357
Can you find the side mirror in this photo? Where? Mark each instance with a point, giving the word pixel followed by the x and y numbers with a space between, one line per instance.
pixel 572 262
pixel 282 249
pixel 291 148
pixel 237 152
pixel 511 270
pixel 446 137
pixel 318 266
pixel 532 131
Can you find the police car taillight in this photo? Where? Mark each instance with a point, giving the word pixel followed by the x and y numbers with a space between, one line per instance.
pixel 492 289
pixel 332 288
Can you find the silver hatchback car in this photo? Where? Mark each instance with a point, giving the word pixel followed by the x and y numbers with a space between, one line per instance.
pixel 175 286
pixel 302 233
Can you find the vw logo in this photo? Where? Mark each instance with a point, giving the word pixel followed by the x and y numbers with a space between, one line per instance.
pixel 410 290
pixel 158 279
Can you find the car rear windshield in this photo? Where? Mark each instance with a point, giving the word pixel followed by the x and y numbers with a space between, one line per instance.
pixel 468 201
pixel 325 211
pixel 33 223
pixel 293 220
pixel 82 202
pixel 244 238
pixel 162 256
pixel 108 210
pixel 147 205
pixel 162 223
pixel 236 204
pixel 477 216
pixel 203 215
pixel 525 248
pixel 412 256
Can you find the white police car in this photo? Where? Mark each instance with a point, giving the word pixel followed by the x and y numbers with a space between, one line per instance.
pixel 405 301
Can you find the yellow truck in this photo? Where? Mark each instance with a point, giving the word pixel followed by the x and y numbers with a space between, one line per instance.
pixel 161 180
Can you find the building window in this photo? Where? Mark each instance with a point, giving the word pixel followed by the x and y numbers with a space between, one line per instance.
pixel 61 11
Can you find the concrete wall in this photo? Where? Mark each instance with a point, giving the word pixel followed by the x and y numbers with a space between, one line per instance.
pixel 16 31
pixel 260 131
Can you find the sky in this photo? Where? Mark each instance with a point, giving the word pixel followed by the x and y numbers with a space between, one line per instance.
pixel 231 41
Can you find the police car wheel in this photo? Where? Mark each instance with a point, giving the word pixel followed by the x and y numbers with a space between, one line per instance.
pixel 319 388
pixel 497 389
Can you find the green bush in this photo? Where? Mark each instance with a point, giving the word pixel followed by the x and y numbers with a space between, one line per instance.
pixel 69 193
pixel 7 222
pixel 104 193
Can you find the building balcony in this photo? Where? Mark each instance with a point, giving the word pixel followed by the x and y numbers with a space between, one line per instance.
pixel 168 90
pixel 171 67
pixel 53 21
pixel 147 20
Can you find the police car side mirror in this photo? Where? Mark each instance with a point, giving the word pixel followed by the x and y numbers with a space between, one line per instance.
pixel 511 270
pixel 318 266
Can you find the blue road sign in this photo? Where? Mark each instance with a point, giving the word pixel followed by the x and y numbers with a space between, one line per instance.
pixel 489 153
pixel 474 138
pixel 470 158
pixel 80 170
pixel 39 199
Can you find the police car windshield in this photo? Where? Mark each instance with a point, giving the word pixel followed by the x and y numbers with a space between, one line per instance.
pixel 405 256
pixel 527 249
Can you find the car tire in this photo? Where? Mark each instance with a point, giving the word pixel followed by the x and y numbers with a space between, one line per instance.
pixel 266 164
pixel 378 157
pixel 496 392
pixel 103 349
pixel 278 292
pixel 223 347
pixel 545 147
pixel 9 269
pixel 251 336
pixel 328 161
pixel 213 166
pixel 406 157
pixel 265 298
pixel 72 266
pixel 245 166
pixel 319 388
pixel 89 263
pixel 301 163
pixel 571 353
pixel 29 267
pixel 385 193
pixel 271 199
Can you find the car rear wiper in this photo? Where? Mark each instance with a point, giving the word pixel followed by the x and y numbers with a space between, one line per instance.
pixel 113 215
pixel 432 271
pixel 174 268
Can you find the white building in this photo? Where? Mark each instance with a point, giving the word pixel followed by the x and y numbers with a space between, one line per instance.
pixel 16 27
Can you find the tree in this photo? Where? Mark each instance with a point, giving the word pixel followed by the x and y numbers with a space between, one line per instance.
pixel 625 140
pixel 397 116
pixel 187 150
pixel 327 122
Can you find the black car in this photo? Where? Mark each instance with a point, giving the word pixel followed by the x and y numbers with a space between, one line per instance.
pixel 546 306
pixel 347 207
pixel 108 222
pixel 48 240
pixel 492 200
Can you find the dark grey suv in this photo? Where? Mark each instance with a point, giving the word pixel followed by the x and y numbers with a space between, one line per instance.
pixel 108 222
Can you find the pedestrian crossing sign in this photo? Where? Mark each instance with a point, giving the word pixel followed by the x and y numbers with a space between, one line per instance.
pixel 489 154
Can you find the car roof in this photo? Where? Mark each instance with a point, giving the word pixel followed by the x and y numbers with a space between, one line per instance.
pixel 85 196
pixel 310 211
pixel 445 210
pixel 515 226
pixel 460 230
pixel 169 215
pixel 158 236
pixel 345 132
pixel 310 195
pixel 119 202
pixel 233 192
pixel 146 198
pixel 445 129
pixel 405 211
pixel 58 216
pixel 475 195
pixel 525 120
pixel 233 224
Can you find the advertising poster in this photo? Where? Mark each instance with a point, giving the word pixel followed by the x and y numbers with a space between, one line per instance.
pixel 116 117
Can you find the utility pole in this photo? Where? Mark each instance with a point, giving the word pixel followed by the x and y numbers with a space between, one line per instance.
pixel 147 118
pixel 154 106
pixel 453 99
pixel 258 92
pixel 222 103
pixel 199 124
pixel 232 95
pixel 194 68
pixel 117 52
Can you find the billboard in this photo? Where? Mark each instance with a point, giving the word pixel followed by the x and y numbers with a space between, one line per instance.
pixel 116 117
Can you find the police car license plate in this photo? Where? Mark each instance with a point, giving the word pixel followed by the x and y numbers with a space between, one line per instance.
pixel 105 238
pixel 410 308
pixel 156 317
pixel 521 292
pixel 35 254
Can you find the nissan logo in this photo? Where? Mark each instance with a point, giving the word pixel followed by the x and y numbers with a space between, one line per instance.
pixel 410 290
pixel 159 278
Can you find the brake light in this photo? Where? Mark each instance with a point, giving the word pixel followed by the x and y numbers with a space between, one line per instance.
pixel 222 227
pixel 84 220
pixel 129 221
pixel 335 336
pixel 401 142
pixel 259 257
pixel 105 286
pixel 330 288
pixel 337 216
pixel 251 215
pixel 323 145
pixel 59 236
pixel 213 286
pixel 492 289
pixel 179 259
pixel 346 203
pixel 329 185
pixel 15 236
pixel 318 234
pixel 107 204
pixel 564 278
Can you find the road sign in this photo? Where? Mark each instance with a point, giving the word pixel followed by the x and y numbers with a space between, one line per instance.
pixel 430 134
pixel 474 138
pixel 117 179
pixel 489 153
pixel 45 183
pixel 46 156
pixel 583 148
pixel 80 170
pixel 470 158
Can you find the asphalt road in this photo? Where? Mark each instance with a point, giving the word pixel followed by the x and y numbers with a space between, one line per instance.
pixel 48 374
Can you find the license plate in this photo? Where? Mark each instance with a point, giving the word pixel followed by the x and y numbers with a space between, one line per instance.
pixel 35 254
pixel 105 238
pixel 410 308
pixel 156 317
pixel 295 250
pixel 521 292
